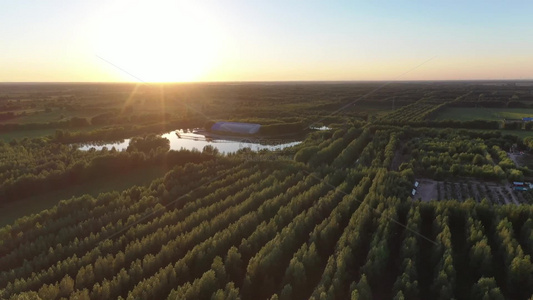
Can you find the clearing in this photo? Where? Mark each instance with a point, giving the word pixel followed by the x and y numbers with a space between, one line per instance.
pixel 430 189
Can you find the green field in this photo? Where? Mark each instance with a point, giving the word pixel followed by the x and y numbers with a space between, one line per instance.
pixel 12 211
pixel 377 111
pixel 493 114
pixel 55 115
pixel 36 133
pixel 8 136
pixel 520 133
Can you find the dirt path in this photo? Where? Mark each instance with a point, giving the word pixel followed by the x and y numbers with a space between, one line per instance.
pixel 397 160
pixel 514 157
pixel 513 196
pixel 427 190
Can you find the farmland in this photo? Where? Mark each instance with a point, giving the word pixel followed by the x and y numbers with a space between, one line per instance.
pixel 481 113
pixel 333 217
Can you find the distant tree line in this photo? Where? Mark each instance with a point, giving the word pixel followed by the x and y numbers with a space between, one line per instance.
pixel 30 167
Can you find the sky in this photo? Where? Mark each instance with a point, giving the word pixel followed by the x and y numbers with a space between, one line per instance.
pixel 226 40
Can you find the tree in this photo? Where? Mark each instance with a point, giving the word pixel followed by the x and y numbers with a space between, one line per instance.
pixel 406 286
pixel 85 277
pixel 234 264
pixel 528 141
pixel 363 289
pixel 481 258
pixel 210 150
pixel 49 291
pixel 26 296
pixel 274 297
pixel 516 175
pixel 455 169
pixel 442 286
pixel 305 154
pixel 399 296
pixel 80 295
pixel 521 276
pixel 486 289
pixel 478 160
pixel 220 271
pixel 498 171
pixel 286 293
pixel 149 143
pixel 66 286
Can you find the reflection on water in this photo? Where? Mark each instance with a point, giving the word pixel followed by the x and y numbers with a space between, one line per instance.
pixel 180 139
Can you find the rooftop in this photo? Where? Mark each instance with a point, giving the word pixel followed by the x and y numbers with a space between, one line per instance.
pixel 236 127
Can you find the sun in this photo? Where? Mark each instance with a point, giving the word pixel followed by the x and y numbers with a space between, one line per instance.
pixel 157 41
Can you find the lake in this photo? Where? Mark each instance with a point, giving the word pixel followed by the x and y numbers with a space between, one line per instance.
pixel 189 140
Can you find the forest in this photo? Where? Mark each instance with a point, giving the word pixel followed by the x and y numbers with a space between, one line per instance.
pixel 338 216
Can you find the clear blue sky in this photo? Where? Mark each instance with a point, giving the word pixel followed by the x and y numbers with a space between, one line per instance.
pixel 267 40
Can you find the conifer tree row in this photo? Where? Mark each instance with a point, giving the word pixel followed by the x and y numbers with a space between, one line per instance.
pixel 132 250
pixel 407 284
pixel 81 233
pixel 193 263
pixel 71 212
pixel 307 264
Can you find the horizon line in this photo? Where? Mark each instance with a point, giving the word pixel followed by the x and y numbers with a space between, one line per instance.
pixel 265 81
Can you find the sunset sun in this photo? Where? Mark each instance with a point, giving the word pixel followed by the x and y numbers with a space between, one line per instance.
pixel 168 42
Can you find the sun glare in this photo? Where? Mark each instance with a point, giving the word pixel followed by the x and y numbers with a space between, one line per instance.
pixel 163 41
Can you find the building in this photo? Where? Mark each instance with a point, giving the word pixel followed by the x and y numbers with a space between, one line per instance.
pixel 522 186
pixel 508 121
pixel 236 128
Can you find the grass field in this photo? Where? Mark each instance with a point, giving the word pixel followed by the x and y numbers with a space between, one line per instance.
pixel 8 136
pixel 520 133
pixel 51 116
pixel 493 114
pixel 12 211
pixel 377 111
pixel 35 133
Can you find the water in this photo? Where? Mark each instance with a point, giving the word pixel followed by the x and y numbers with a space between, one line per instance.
pixel 191 140
pixel 321 128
